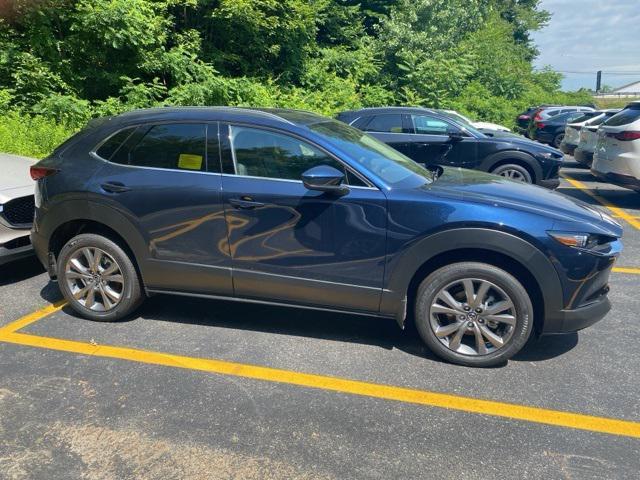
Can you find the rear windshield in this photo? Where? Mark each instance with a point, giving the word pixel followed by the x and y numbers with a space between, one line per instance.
pixel 625 117
pixel 585 117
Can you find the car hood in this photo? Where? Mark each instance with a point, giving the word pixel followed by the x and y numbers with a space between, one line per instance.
pixel 491 126
pixel 480 187
pixel 524 144
pixel 15 180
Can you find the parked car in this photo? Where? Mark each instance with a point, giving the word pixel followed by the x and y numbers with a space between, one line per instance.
pixel 432 138
pixel 523 120
pixel 16 207
pixel 571 136
pixel 552 130
pixel 291 208
pixel 617 155
pixel 478 125
pixel 583 153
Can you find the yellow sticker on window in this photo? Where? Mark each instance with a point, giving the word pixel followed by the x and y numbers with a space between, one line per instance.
pixel 190 162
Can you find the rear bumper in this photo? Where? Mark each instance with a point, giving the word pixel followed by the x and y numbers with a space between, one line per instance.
pixel 567 321
pixel 619 179
pixel 584 157
pixel 568 148
pixel 542 137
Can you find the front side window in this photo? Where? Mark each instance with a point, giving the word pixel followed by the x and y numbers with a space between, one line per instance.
pixel 176 146
pixel 261 153
pixel 428 125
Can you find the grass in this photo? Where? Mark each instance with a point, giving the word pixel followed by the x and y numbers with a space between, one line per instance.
pixel 30 136
pixel 605 103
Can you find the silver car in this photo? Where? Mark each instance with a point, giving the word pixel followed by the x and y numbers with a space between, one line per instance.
pixel 16 207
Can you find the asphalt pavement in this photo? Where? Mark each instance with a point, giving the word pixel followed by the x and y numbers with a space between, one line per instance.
pixel 181 391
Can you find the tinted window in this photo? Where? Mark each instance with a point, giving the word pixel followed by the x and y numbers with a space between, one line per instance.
pixel 385 123
pixel 585 116
pixel 375 156
pixel 626 116
pixel 113 143
pixel 259 153
pixel 175 146
pixel 428 125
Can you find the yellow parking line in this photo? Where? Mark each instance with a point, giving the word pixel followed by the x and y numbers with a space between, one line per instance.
pixel 617 211
pixel 31 318
pixel 341 385
pixel 631 270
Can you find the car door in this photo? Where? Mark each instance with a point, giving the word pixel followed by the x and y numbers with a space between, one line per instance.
pixel 166 179
pixel 293 245
pixel 390 128
pixel 440 142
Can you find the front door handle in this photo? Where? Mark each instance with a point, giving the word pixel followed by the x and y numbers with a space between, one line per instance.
pixel 114 187
pixel 245 203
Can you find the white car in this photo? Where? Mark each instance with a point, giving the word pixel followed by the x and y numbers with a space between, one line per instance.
pixel 16 207
pixel 478 125
pixel 572 131
pixel 617 155
pixel 589 136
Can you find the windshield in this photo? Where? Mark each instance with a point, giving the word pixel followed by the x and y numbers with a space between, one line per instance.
pixel 388 164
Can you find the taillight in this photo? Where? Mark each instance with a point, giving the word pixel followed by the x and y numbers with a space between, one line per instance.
pixel 540 125
pixel 40 172
pixel 625 136
pixel 537 117
pixel 524 117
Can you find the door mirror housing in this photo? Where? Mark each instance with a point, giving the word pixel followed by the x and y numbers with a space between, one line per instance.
pixel 324 178
pixel 456 135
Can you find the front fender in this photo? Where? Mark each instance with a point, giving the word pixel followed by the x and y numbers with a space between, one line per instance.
pixel 393 301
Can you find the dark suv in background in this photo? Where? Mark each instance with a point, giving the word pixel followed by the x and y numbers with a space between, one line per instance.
pixel 433 138
pixel 290 208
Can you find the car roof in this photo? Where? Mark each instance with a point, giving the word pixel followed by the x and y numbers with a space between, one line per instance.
pixel 377 110
pixel 264 116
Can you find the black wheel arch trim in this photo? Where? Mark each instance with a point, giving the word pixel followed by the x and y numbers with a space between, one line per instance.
pixel 516 157
pixel 506 244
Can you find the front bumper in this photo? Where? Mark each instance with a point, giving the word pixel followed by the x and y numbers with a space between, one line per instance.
pixel 14 244
pixel 568 321
pixel 550 183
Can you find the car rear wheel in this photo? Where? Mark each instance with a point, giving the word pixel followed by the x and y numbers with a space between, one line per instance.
pixel 514 171
pixel 98 279
pixel 473 314
pixel 558 140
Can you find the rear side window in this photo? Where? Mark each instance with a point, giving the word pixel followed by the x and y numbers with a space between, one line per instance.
pixel 625 117
pixel 390 123
pixel 108 149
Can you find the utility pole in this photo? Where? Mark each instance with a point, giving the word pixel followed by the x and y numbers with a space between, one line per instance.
pixel 598 81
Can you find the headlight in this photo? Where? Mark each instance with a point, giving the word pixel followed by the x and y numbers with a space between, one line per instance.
pixel 550 155
pixel 585 241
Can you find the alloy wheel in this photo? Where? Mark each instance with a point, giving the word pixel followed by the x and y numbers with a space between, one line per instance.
pixel 94 279
pixel 473 317
pixel 514 174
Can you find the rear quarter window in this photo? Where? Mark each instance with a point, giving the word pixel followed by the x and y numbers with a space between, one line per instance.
pixel 625 117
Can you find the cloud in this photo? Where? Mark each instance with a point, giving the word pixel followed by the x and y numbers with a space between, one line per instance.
pixel 591 35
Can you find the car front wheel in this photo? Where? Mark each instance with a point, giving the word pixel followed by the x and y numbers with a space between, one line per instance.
pixel 98 279
pixel 514 172
pixel 473 314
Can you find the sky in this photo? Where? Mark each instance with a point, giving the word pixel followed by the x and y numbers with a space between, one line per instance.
pixel 591 35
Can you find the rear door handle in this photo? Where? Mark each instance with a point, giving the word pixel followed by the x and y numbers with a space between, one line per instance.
pixel 245 203
pixel 115 187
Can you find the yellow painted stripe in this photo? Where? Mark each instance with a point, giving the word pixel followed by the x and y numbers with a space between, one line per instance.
pixel 617 211
pixel 32 317
pixel 354 387
pixel 633 271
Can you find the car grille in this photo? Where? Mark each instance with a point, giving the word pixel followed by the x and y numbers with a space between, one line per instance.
pixel 19 211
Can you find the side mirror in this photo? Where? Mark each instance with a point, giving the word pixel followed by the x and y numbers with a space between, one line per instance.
pixel 455 135
pixel 324 178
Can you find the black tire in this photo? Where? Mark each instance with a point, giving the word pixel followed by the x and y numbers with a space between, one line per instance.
pixel 557 140
pixel 515 168
pixel 131 295
pixel 431 287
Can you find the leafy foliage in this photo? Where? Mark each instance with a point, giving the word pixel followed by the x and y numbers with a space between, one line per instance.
pixel 65 61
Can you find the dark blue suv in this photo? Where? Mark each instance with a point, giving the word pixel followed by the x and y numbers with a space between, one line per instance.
pixel 291 208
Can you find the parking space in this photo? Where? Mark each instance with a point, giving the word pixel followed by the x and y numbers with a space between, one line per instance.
pixel 211 389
